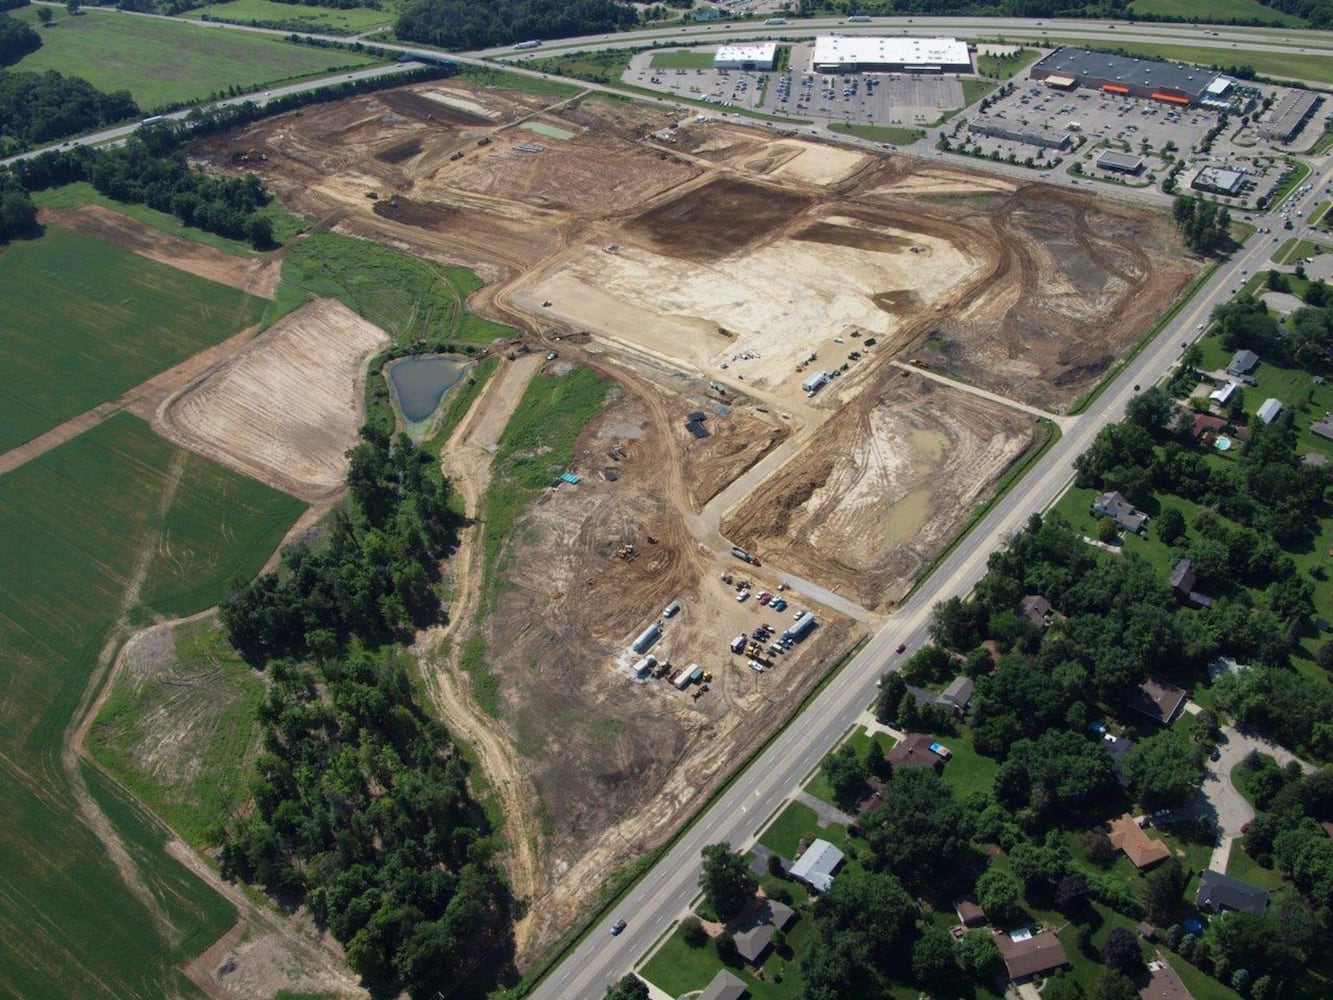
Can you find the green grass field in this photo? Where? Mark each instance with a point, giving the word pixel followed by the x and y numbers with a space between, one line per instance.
pixel 678 968
pixel 487 76
pixel 409 298
pixel 82 321
pixel 536 446
pixel 164 62
pixel 682 59
pixel 896 135
pixel 1215 11
pixel 330 20
pixel 1280 65
pixel 203 705
pixel 1006 67
pixel 799 822
pixel 82 524
pixel 604 66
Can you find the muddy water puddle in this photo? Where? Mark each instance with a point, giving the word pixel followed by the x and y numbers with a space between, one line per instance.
pixel 420 383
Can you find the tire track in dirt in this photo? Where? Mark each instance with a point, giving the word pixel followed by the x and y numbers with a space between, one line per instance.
pixel 467 464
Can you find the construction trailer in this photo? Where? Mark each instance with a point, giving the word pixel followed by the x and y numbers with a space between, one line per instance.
pixel 647 638
pixel 644 667
pixel 801 627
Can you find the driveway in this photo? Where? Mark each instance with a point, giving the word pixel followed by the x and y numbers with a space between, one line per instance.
pixel 1227 804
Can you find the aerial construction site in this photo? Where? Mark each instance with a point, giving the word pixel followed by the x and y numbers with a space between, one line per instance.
pixel 822 356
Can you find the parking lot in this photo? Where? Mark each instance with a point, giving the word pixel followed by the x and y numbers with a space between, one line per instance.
pixel 1097 121
pixel 860 98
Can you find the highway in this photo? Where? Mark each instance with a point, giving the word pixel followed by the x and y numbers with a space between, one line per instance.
pixel 664 893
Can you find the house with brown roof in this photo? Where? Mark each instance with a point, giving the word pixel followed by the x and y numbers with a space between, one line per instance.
pixel 754 935
pixel 1204 424
pixel 1163 983
pixel 1031 955
pixel 970 914
pixel 725 986
pixel 1143 851
pixel 1037 610
pixel 914 751
pixel 1160 700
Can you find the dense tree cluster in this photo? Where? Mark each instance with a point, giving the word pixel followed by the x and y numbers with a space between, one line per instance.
pixel 1163 771
pixel 376 576
pixel 1204 226
pixel 18 215
pixel 40 107
pixel 362 809
pixel 17 39
pixel 462 24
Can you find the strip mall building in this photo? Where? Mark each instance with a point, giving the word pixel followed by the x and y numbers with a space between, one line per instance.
pixel 1125 76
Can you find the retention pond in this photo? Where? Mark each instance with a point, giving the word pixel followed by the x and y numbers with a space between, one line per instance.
pixel 420 383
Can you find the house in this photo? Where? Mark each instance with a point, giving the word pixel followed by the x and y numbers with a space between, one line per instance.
pixel 1243 363
pixel 1163 983
pixel 914 751
pixel 958 694
pixel 1159 700
pixel 1036 609
pixel 1269 411
pixel 1222 395
pixel 1323 426
pixel 725 986
pixel 755 935
pixel 1026 954
pixel 1218 892
pixel 1204 424
pixel 970 914
pixel 817 866
pixel 1182 585
pixel 1143 851
pixel 1120 510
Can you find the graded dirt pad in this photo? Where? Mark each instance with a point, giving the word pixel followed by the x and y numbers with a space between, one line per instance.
pixel 735 443
pixel 759 314
pixel 286 408
pixel 892 478
pixel 716 219
pixel 617 763
pixel 257 275
pixel 1081 282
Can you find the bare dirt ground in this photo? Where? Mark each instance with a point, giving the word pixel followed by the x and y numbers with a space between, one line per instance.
pixel 885 490
pixel 256 275
pixel 286 408
pixel 619 764
pixel 721 257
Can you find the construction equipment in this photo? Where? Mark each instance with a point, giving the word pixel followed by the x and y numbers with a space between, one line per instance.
pixel 627 552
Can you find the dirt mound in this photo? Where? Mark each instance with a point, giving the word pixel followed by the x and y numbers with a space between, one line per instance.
pixel 286 408
pixel 717 218
pixel 257 275
pixel 411 104
pixel 893 477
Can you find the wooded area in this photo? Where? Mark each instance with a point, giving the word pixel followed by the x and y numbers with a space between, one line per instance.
pixel 361 805
pixel 462 24
pixel 42 107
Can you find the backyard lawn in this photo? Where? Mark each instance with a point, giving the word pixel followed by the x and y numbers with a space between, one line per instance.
pixel 797 823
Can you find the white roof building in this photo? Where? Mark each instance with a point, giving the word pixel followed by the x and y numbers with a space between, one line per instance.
pixel 837 53
pixel 1269 411
pixel 816 866
pixel 760 55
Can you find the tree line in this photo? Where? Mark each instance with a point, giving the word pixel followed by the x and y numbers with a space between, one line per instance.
pixel 462 24
pixel 42 107
pixel 361 803
pixel 1204 226
pixel 17 39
